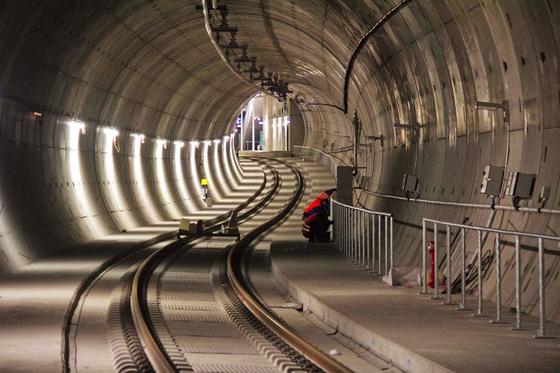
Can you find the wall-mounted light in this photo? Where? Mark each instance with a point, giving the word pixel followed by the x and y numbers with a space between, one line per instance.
pixel 111 132
pixel 139 137
pixel 119 201
pixel 111 135
pixel 161 143
pixel 37 114
pixel 145 197
pixel 163 185
pixel 78 126
pixel 180 181
pixel 85 204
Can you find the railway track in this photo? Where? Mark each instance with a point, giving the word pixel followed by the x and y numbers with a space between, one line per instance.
pixel 184 305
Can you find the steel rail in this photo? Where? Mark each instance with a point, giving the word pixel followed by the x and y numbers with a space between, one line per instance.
pixel 159 360
pixel 85 284
pixel 250 300
pixel 88 281
pixel 156 354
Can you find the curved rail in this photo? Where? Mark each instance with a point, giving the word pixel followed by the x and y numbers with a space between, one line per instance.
pixel 85 284
pixel 250 300
pixel 153 348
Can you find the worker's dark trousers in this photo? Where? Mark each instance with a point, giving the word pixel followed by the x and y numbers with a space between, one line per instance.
pixel 319 236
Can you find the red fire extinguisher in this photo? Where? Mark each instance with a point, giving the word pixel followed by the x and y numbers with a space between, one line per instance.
pixel 432 264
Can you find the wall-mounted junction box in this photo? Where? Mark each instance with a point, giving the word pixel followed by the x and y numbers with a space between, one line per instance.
pixel 344 176
pixel 544 195
pixel 409 183
pixel 520 185
pixel 492 178
pixel 363 182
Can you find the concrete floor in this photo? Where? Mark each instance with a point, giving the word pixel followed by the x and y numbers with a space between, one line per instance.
pixel 416 333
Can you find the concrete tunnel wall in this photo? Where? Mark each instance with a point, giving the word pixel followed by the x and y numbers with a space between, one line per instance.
pixel 86 185
pixel 103 65
pixel 148 67
pixel 430 65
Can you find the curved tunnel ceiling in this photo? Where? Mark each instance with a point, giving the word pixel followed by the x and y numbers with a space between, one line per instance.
pixel 150 66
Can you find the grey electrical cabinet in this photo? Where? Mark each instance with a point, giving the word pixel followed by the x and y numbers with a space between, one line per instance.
pixel 492 178
pixel 409 183
pixel 520 185
pixel 344 178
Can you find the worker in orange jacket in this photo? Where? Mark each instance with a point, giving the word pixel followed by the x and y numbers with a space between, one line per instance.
pixel 316 218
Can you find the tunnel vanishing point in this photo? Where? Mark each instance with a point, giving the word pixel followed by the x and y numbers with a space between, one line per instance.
pixel 157 157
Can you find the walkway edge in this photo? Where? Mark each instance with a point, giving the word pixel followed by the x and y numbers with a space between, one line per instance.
pixel 393 353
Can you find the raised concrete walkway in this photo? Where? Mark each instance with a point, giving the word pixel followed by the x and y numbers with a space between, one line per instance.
pixel 413 332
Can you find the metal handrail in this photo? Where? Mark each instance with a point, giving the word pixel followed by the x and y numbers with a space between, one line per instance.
pixel 364 236
pixel 325 159
pixel 541 332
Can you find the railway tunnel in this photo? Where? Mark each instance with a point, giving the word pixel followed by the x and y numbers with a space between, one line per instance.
pixel 156 157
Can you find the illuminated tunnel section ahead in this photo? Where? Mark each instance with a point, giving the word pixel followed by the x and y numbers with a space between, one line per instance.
pixel 73 74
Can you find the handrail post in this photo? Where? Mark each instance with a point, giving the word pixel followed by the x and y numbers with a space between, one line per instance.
pixel 348 235
pixel 541 332
pixel 360 245
pixel 463 303
pixel 373 231
pixel 367 234
pixel 435 274
pixel 364 241
pixel 362 238
pixel 424 269
pixel 448 280
pixel 331 217
pixel 352 235
pixel 342 235
pixel 379 244
pixel 356 225
pixel 498 282
pixel 386 221
pixel 345 228
pixel 518 325
pixel 358 237
pixel 349 230
pixel 479 311
pixel 391 243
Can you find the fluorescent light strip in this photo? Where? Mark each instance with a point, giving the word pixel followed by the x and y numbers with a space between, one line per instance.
pixel 180 178
pixel 83 201
pixel 146 201
pixel 109 138
pixel 162 180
